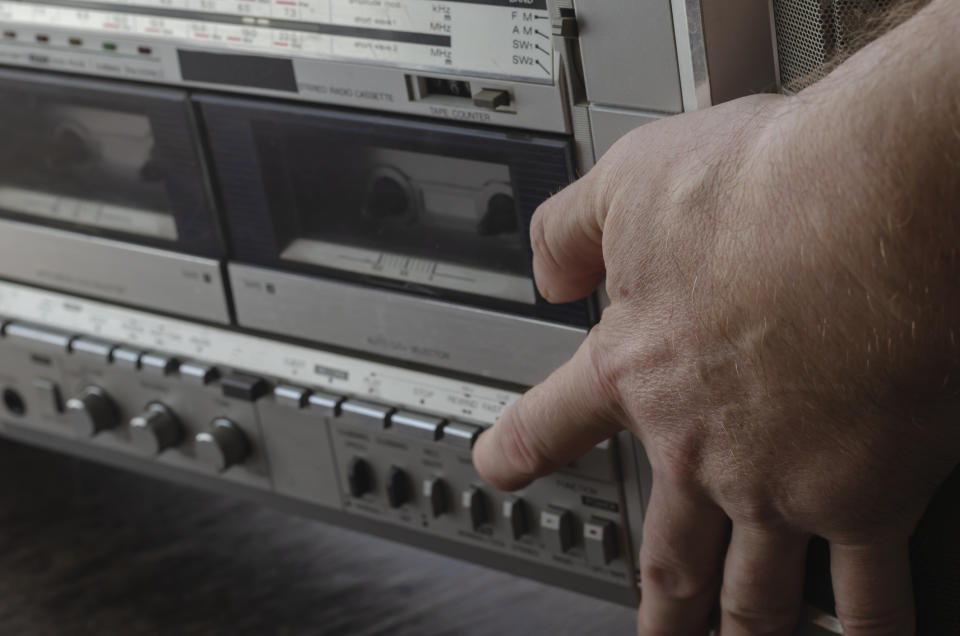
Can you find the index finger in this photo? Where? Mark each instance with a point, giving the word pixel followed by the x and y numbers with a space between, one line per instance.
pixel 554 423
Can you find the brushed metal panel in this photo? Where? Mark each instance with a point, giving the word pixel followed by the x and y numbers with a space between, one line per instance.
pixel 465 339
pixel 132 274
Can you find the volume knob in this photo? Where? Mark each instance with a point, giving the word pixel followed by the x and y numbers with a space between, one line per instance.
pixel 222 446
pixel 92 411
pixel 156 429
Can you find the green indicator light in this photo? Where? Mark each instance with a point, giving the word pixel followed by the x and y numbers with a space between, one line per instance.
pixel 109 46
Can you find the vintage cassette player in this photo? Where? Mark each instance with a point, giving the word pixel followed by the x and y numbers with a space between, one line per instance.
pixel 280 248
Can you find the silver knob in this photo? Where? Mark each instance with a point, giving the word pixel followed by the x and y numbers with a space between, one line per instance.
pixel 92 411
pixel 222 446
pixel 156 429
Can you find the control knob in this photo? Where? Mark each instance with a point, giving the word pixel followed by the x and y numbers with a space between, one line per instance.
pixel 221 446
pixel 359 477
pixel 156 429
pixel 398 487
pixel 92 411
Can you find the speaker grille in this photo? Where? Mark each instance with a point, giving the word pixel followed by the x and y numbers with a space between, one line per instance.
pixel 814 34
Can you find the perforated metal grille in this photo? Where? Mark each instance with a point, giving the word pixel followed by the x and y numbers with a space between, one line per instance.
pixel 813 33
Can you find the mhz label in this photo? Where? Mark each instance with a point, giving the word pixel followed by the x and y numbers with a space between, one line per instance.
pixel 508 39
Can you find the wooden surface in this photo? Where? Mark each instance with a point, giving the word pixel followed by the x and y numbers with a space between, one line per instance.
pixel 86 549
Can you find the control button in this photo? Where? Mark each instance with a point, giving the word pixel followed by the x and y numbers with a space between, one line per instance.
pixel 96 350
pixel 515 512
pixel 474 503
pixel 600 538
pixel 415 425
pixel 222 446
pixel 199 374
pixel 327 403
pixel 398 487
pixel 556 528
pixel 365 413
pixel 156 429
pixel 435 493
pixel 243 386
pixel 92 411
pixel 35 336
pixel 48 399
pixel 158 364
pixel 461 435
pixel 292 397
pixel 359 477
pixel 126 358
pixel 491 98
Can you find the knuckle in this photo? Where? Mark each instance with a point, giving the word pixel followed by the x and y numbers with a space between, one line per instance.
pixel 746 611
pixel 674 578
pixel 605 368
pixel 539 242
pixel 876 622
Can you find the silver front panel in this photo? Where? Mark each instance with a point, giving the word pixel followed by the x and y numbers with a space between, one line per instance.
pixel 112 270
pixel 478 342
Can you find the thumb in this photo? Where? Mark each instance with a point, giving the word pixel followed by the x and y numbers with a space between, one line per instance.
pixel 566 234
pixel 554 423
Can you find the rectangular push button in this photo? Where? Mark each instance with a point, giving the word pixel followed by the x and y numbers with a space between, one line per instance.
pixel 242 386
pixel 126 358
pixel 416 425
pixel 327 403
pixel 293 397
pixel 199 374
pixel 91 349
pixel 461 435
pixel 158 364
pixel 365 413
pixel 36 336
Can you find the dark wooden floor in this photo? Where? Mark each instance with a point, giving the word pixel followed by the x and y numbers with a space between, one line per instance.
pixel 86 549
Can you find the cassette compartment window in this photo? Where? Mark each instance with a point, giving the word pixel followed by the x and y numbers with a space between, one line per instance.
pixel 81 165
pixel 103 158
pixel 412 217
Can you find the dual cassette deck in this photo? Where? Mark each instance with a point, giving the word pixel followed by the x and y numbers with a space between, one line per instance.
pixel 279 248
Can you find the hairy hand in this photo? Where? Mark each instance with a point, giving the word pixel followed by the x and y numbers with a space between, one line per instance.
pixel 774 346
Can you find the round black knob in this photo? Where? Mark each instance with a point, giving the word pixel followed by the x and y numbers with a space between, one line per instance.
pixel 386 198
pixel 501 216
pixel 92 411
pixel 398 487
pixel 222 446
pixel 156 429
pixel 359 477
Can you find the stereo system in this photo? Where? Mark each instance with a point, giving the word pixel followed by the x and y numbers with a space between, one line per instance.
pixel 279 248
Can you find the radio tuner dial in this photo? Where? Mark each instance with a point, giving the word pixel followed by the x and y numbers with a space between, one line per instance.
pixel 223 445
pixel 156 429
pixel 92 411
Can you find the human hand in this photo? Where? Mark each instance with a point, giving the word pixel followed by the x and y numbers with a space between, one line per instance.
pixel 763 345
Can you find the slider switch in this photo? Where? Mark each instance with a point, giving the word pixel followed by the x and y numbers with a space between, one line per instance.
pixel 473 502
pixel 600 537
pixel 359 477
pixel 556 528
pixel 515 512
pixel 398 487
pixel 435 492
